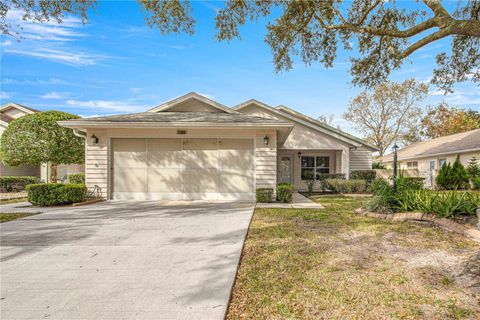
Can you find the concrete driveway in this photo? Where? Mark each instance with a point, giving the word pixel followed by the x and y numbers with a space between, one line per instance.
pixel 123 260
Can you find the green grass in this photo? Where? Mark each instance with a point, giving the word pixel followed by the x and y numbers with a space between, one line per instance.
pixel 334 264
pixel 13 200
pixel 5 217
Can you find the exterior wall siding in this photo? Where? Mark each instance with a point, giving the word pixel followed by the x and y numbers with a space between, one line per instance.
pixel 360 159
pixel 266 159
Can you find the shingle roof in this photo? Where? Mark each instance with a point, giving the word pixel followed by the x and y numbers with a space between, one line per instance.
pixel 6 118
pixel 179 117
pixel 455 143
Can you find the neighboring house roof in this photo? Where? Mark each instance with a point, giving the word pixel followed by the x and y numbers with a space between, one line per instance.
pixel 290 114
pixel 192 95
pixel 10 105
pixel 456 143
pixel 178 118
pixel 6 118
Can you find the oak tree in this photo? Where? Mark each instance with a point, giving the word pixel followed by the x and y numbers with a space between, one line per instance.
pixel 384 33
pixel 37 138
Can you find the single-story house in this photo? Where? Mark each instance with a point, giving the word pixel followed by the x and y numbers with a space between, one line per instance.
pixel 195 148
pixel 428 156
pixel 11 111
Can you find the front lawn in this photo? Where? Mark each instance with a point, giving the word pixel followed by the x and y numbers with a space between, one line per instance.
pixel 5 217
pixel 333 264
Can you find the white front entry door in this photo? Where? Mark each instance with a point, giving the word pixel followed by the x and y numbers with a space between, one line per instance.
pixel 285 169
pixel 183 169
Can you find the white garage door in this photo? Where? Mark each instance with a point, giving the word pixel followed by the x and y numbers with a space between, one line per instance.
pixel 183 169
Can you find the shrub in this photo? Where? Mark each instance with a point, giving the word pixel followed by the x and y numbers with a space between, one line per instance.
pixel 310 180
pixel 378 165
pixel 76 178
pixel 476 183
pixel 368 175
pixel 54 194
pixel 285 192
pixel 264 195
pixel 346 186
pixel 324 176
pixel 416 183
pixel 452 177
pixel 473 170
pixel 16 183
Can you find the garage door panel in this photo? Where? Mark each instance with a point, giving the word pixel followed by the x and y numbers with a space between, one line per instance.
pixel 130 180
pixel 232 181
pixel 200 180
pixel 129 153
pixel 236 154
pixel 164 153
pixel 200 153
pixel 164 180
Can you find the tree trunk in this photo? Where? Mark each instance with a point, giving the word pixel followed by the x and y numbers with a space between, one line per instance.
pixel 53 172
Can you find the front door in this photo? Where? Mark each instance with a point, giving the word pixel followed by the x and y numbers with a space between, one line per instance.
pixel 285 169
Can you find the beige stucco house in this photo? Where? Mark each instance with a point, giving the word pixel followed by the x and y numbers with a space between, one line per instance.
pixel 195 148
pixel 428 156
pixel 11 111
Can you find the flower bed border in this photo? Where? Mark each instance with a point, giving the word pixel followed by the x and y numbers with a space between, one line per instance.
pixel 443 223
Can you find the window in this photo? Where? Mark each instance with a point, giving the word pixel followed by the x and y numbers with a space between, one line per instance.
pixel 412 165
pixel 441 162
pixel 316 165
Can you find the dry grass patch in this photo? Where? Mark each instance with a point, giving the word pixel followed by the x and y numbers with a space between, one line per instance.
pixel 9 216
pixel 333 264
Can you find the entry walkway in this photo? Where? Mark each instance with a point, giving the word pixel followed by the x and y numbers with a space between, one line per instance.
pixel 298 202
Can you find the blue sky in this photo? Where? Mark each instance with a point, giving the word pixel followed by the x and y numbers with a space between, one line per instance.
pixel 116 64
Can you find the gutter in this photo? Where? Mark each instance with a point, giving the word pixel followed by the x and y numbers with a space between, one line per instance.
pixel 80 134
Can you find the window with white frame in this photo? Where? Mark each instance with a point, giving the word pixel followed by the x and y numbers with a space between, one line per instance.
pixel 316 165
pixel 441 162
pixel 412 165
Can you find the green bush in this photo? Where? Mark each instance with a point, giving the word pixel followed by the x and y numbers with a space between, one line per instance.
pixel 476 183
pixel 76 178
pixel 16 183
pixel 285 192
pixel 346 186
pixel 473 170
pixel 368 175
pixel 378 165
pixel 264 195
pixel 322 178
pixel 452 177
pixel 55 194
pixel 416 183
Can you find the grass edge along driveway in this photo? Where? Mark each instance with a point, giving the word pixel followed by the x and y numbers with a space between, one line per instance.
pixel 333 264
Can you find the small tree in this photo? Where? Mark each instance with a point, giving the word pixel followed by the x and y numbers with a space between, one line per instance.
pixel 473 169
pixel 37 138
pixel 444 176
pixel 309 178
pixel 459 175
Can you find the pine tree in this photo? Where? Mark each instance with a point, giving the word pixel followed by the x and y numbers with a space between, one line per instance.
pixel 459 175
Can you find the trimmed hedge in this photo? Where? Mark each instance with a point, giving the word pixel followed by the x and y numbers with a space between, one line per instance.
pixel 76 178
pixel 264 195
pixel 56 194
pixel 16 183
pixel 322 178
pixel 368 175
pixel 285 192
pixel 347 186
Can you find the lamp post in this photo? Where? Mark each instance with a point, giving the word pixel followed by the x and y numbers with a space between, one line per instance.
pixel 395 149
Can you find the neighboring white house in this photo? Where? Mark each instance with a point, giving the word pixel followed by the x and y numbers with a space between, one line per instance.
pixel 11 111
pixel 195 148
pixel 428 156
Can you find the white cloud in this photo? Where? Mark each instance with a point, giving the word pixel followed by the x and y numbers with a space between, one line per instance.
pixel 54 95
pixel 77 59
pixel 135 90
pixel 209 96
pixel 107 105
pixel 4 95
pixel 50 30
pixel 6 43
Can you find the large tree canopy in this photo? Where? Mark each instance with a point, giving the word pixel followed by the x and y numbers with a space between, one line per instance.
pixel 443 120
pixel 385 33
pixel 389 113
pixel 37 138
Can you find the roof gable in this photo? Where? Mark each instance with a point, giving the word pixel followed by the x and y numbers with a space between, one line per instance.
pixel 280 113
pixel 12 105
pixel 192 102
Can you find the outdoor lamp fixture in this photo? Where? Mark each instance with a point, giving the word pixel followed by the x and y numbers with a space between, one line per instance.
pixel 94 139
pixel 299 154
pixel 265 140
pixel 395 149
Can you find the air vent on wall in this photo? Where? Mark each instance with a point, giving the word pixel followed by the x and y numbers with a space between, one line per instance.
pixel 181 131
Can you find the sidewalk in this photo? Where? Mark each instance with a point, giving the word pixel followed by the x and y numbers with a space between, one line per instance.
pixel 298 202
